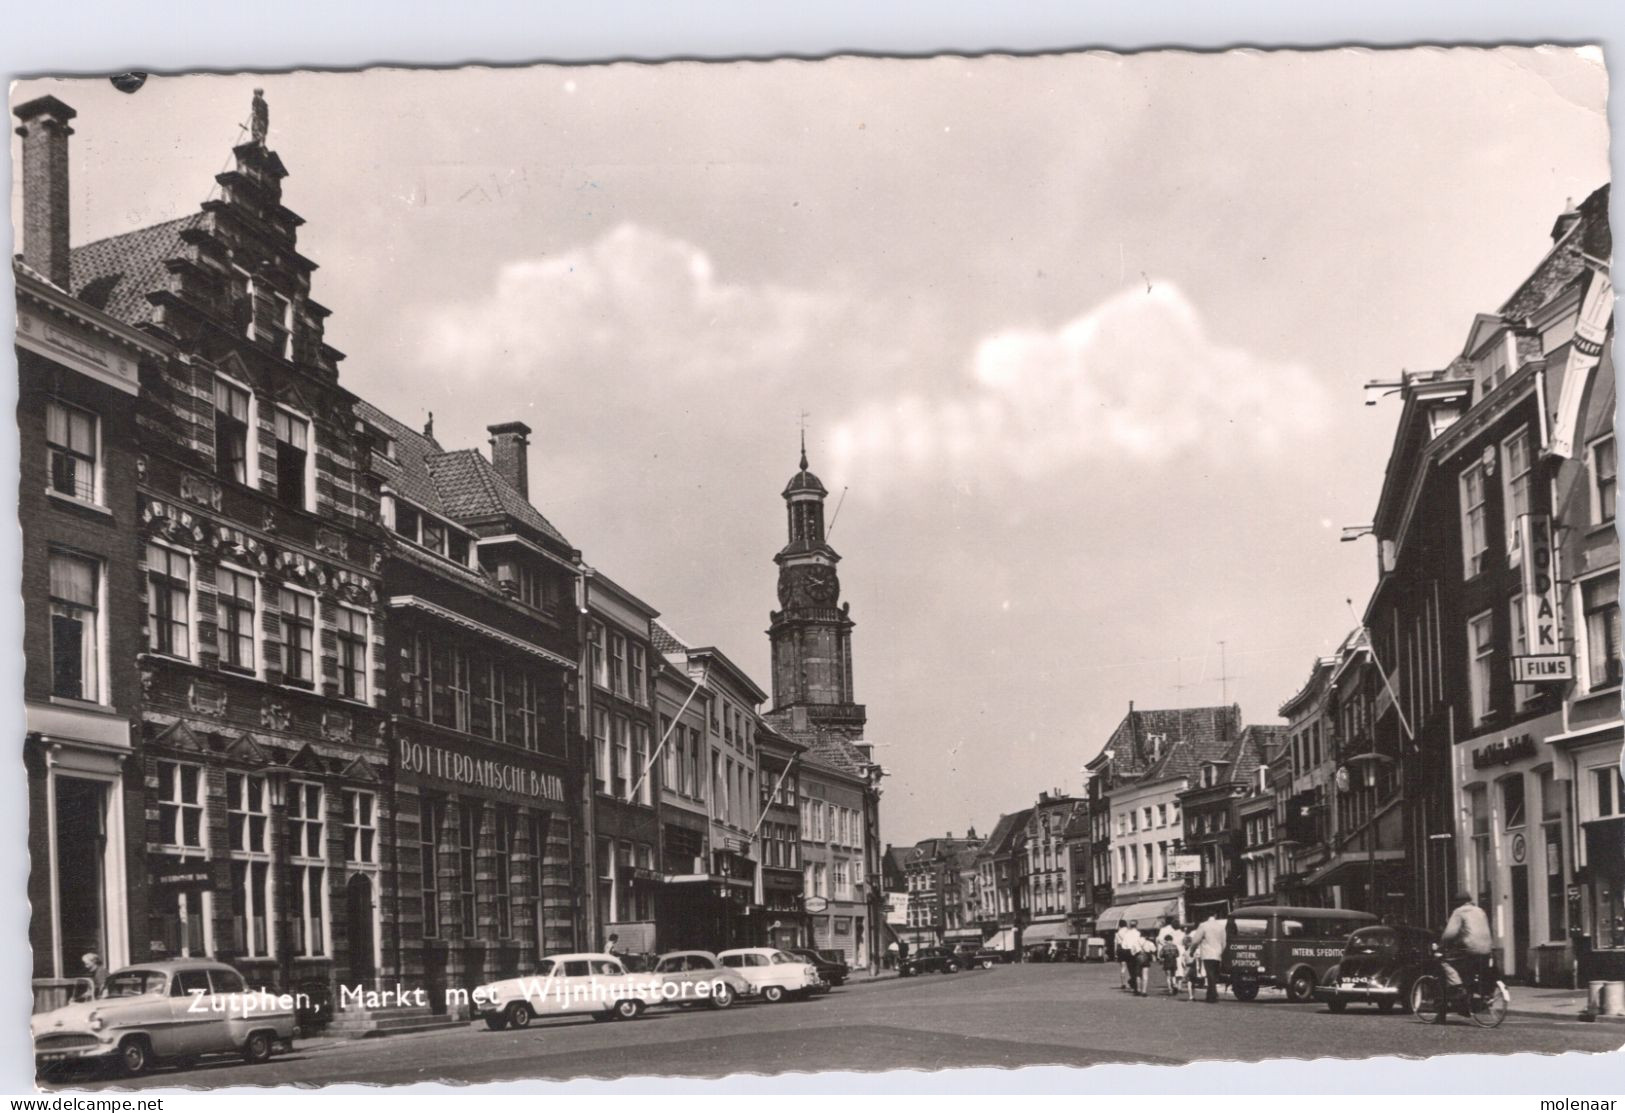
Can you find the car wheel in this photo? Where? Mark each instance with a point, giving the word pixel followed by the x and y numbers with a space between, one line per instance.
pixel 496 1021
pixel 773 994
pixel 1337 1004
pixel 518 1014
pixel 134 1056
pixel 257 1048
pixel 628 1008
pixel 1300 987
pixel 1244 991
pixel 987 964
pixel 722 996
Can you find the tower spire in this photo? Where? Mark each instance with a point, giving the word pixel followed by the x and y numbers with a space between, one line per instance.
pixel 804 416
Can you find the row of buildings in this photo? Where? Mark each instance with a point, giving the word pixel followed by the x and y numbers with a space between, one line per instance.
pixel 311 693
pixel 1466 736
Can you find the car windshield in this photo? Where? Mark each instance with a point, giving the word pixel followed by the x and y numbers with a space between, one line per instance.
pixel 135 983
pixel 671 965
pixel 780 958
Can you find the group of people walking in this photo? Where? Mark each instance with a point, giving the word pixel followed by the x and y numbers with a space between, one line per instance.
pixel 1188 954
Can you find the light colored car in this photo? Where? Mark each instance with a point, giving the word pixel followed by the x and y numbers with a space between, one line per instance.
pixel 588 983
pixel 776 974
pixel 157 1011
pixel 699 977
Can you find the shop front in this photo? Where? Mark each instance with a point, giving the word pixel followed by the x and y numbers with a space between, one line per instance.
pixel 1515 846
pixel 840 928
pixel 1596 891
pixel 487 865
pixel 76 767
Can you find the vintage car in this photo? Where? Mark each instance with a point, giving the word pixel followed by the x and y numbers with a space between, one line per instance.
pixel 831 965
pixel 1288 947
pixel 173 1011
pixel 589 983
pixel 700 978
pixel 969 956
pixel 776 974
pixel 929 960
pixel 1378 967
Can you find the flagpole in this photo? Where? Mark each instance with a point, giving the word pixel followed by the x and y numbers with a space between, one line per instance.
pixel 632 793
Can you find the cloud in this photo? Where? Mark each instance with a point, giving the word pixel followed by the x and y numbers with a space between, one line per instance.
pixel 1137 378
pixel 635 305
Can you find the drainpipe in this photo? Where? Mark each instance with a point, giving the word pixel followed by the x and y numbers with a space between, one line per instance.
pixel 588 917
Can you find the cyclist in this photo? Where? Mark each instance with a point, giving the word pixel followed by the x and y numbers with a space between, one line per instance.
pixel 1466 944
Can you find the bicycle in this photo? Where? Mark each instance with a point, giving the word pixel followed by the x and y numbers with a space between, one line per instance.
pixel 1487 995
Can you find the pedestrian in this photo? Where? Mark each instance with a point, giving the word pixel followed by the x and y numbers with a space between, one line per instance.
pixel 1171 953
pixel 1148 959
pixel 1120 951
pixel 95 971
pixel 1133 944
pixel 1209 942
pixel 613 947
pixel 1192 965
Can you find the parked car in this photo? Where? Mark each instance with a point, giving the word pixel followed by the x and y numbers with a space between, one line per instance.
pixel 1095 949
pixel 702 978
pixel 929 960
pixel 776 974
pixel 591 984
pixel 1036 952
pixel 165 1011
pixel 1378 967
pixel 1292 948
pixel 831 965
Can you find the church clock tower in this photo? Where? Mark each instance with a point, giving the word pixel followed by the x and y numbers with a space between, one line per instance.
pixel 812 634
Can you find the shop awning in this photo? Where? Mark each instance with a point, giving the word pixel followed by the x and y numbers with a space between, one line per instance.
pixel 963 935
pixel 1043 933
pixel 1003 941
pixel 1345 866
pixel 1149 913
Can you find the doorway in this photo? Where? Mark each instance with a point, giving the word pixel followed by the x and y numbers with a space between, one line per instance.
pixel 1520 921
pixel 359 924
pixel 81 876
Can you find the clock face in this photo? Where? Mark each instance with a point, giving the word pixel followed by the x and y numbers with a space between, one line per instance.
pixel 821 584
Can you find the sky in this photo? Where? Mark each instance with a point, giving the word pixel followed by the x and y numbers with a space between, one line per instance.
pixel 1080 339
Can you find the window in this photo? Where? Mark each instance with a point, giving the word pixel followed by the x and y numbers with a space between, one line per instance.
pixel 1607 784
pixel 1600 601
pixel 1474 531
pixel 360 828
pixel 617 664
pixel 180 806
pixel 538 850
pixel 247 836
pixel 407 520
pixel 1481 646
pixel 526 713
pixel 600 741
pixel 1480 806
pixel 640 759
pixel 169 602
pixel 623 758
pixel 76 636
pixel 1515 472
pixel 350 628
pixel 430 813
pixel 600 667
pixel 502 865
pixel 694 771
pixel 70 444
pixel 1604 480
pixel 234 605
pixel 468 842
pixel 1522 694
pixel 298 637
pixel 233 425
pixel 307 855
pixel 1551 815
pixel 1512 803
pixel 636 673
pixel 292 460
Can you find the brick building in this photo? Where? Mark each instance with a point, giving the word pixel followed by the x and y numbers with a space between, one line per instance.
pixel 487 788
pixel 79 377
pixel 262 738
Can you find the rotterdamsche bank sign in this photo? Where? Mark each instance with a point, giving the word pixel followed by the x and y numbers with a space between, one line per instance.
pixel 470 770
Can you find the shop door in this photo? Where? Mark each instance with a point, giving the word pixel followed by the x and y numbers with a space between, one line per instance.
pixel 358 922
pixel 81 846
pixel 1520 921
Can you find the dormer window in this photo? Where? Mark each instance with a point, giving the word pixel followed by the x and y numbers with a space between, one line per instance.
pixel 439 537
pixel 1210 776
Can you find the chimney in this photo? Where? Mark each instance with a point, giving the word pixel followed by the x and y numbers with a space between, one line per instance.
pixel 510 454
pixel 45 134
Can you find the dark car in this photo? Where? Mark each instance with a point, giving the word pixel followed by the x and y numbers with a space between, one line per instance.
pixel 831 965
pixel 970 957
pixel 1378 967
pixel 929 960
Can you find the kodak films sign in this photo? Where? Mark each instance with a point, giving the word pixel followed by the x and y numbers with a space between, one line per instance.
pixel 1540 604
